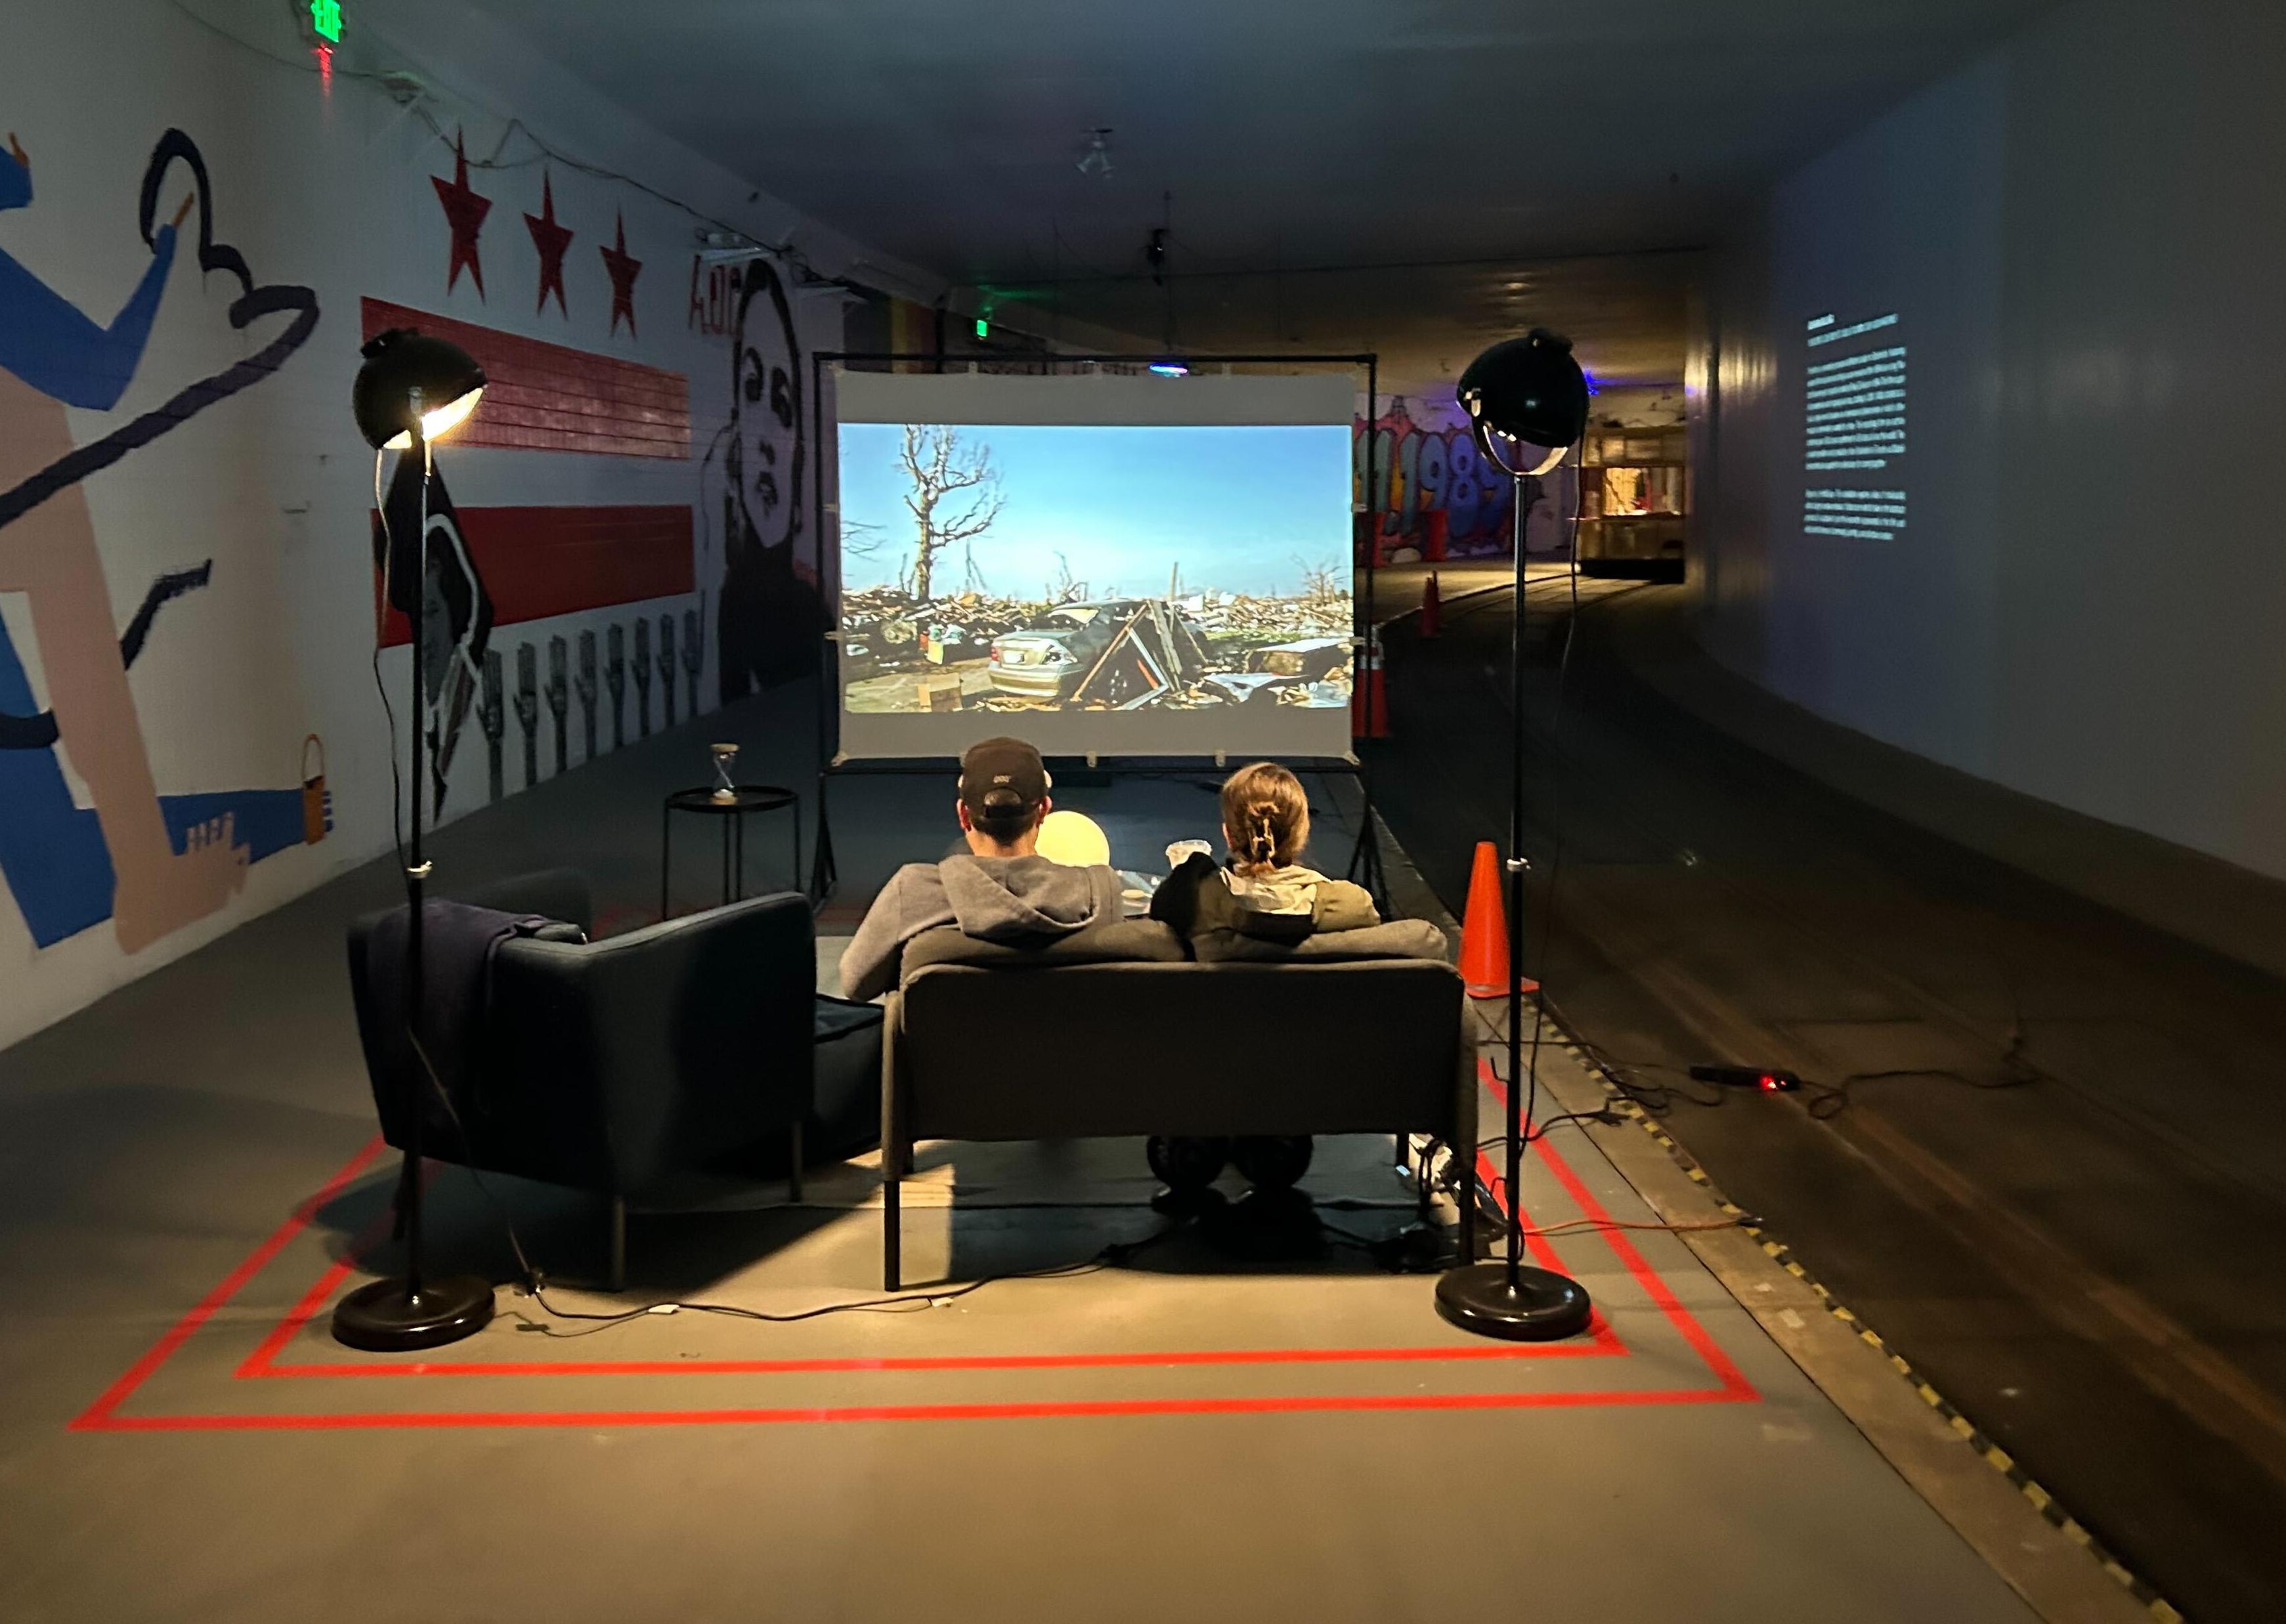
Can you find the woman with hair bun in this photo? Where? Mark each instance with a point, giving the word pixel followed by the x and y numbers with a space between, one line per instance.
pixel 1264 893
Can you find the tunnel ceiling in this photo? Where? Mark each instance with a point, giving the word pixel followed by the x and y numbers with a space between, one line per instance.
pixel 1419 178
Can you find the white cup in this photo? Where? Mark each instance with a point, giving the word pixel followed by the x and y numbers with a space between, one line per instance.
pixel 1181 851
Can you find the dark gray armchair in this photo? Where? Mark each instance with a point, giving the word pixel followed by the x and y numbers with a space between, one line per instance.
pixel 1115 1032
pixel 614 1066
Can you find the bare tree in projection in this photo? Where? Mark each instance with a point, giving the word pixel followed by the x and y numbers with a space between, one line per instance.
pixel 955 497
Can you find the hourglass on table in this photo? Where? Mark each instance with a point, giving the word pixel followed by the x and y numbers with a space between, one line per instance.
pixel 730 803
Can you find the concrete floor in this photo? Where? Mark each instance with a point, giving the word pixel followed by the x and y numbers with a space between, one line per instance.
pixel 2055 1180
pixel 187 1176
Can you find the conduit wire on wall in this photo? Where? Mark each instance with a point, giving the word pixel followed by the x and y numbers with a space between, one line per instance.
pixel 389 85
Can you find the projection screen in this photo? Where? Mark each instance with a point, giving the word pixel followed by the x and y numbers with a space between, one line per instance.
pixel 1106 566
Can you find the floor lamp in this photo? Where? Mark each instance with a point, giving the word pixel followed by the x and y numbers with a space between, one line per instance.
pixel 411 391
pixel 1527 404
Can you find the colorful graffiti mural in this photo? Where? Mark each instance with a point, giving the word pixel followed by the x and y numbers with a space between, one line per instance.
pixel 149 863
pixel 1432 493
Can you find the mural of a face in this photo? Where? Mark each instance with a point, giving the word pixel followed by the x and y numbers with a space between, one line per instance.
pixel 765 411
pixel 769 615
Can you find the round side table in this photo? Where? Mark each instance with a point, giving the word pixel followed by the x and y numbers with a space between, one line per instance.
pixel 746 800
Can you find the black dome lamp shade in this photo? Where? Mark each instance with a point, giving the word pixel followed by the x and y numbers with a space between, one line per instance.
pixel 1527 402
pixel 413 380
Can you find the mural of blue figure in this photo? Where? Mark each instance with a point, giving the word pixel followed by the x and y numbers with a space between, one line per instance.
pixel 150 864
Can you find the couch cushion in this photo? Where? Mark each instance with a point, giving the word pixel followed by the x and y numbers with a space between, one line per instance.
pixel 1112 941
pixel 1396 939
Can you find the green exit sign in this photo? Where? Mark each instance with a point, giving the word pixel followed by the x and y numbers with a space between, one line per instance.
pixel 983 328
pixel 325 17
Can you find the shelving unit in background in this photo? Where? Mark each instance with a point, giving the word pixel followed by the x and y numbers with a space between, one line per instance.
pixel 1634 499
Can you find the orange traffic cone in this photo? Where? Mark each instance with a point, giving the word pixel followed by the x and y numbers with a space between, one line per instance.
pixel 1369 705
pixel 1484 931
pixel 1484 928
pixel 1433 611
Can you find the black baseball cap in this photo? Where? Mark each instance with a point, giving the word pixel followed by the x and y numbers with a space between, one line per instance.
pixel 1002 765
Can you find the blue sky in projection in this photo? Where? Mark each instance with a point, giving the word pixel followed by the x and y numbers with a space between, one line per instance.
pixel 1240 509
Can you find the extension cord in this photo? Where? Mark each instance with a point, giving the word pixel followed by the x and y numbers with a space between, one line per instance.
pixel 1770 1080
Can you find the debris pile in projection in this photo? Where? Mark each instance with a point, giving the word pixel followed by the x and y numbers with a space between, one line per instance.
pixel 974 652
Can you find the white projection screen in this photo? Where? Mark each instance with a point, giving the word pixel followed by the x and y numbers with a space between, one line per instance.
pixel 1105 565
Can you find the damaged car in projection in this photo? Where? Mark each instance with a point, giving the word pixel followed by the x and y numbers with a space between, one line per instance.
pixel 1114 651
pixel 1048 659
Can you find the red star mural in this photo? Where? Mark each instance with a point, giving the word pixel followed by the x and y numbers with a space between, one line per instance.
pixel 624 271
pixel 551 239
pixel 464 212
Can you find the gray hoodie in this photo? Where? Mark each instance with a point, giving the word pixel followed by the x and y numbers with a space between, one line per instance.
pixel 996 899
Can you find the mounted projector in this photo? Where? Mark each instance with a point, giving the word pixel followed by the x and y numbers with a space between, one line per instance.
pixel 1096 162
pixel 721 247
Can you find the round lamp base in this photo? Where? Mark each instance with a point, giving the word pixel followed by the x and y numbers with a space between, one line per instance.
pixel 1541 1306
pixel 383 1318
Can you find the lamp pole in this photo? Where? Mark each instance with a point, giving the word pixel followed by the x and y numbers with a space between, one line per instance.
pixel 410 1311
pixel 416 876
pixel 1524 393
pixel 1517 864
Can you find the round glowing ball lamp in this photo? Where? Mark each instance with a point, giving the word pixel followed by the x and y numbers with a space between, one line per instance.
pixel 413 389
pixel 1527 404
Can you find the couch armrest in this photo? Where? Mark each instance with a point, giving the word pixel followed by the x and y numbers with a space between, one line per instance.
pixel 681 1043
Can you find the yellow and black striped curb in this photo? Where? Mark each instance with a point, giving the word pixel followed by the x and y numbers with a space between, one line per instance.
pixel 2072 1529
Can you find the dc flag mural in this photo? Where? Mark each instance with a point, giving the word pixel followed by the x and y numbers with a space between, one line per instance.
pixel 147 861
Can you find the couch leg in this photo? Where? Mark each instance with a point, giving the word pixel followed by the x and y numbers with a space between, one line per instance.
pixel 892 1220
pixel 615 1279
pixel 793 1161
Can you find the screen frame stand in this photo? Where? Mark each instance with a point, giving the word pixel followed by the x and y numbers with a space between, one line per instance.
pixel 1365 865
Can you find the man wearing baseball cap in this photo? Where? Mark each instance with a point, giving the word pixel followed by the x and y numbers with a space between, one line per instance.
pixel 1001 889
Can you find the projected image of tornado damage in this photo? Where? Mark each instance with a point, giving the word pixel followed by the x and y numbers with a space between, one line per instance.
pixel 1025 567
pixel 1854 429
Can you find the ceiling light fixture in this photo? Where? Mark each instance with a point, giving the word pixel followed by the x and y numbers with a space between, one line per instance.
pixel 1096 160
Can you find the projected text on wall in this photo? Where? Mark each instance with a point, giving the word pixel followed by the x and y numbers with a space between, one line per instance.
pixel 1854 429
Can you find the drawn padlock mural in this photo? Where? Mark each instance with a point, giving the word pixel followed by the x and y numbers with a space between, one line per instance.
pixel 615 678
pixel 694 656
pixel 642 678
pixel 317 800
pixel 527 708
pixel 559 695
pixel 491 715
pixel 666 666
pixel 584 685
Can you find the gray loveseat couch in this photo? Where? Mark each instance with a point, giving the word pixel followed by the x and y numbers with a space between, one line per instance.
pixel 1118 1031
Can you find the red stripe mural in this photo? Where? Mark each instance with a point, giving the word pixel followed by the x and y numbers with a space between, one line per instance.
pixel 546 397
pixel 538 562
